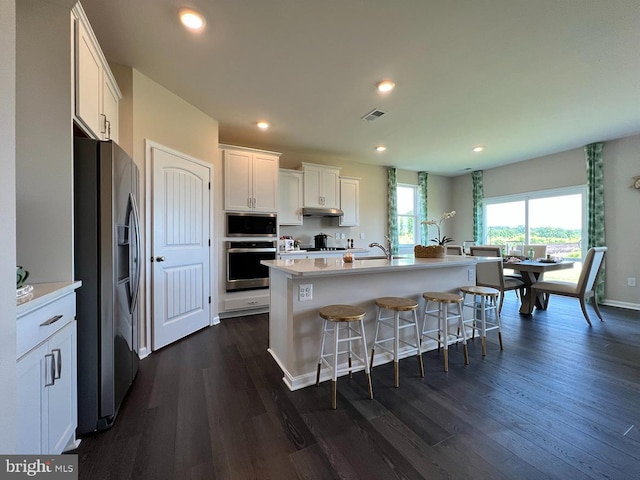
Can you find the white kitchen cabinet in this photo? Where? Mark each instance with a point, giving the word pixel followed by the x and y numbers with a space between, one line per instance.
pixel 349 201
pixel 321 186
pixel 250 180
pixel 47 374
pixel 291 197
pixel 96 93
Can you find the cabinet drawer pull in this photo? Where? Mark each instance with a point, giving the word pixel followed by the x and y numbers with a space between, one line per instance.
pixel 53 319
pixel 51 370
pixel 58 364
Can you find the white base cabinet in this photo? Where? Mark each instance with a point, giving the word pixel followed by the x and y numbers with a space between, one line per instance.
pixel 47 376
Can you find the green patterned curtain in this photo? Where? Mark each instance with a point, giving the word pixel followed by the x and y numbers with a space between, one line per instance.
pixel 392 208
pixel 478 196
pixel 595 203
pixel 422 200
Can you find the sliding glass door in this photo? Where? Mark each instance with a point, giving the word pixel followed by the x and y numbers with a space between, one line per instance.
pixel 555 218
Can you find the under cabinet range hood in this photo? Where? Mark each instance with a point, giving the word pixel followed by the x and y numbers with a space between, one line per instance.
pixel 322 212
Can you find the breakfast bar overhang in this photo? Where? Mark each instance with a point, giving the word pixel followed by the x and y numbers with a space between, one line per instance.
pixel 294 326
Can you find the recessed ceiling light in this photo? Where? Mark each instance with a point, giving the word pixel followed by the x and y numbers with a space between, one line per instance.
pixel 262 125
pixel 478 148
pixel 381 148
pixel 191 19
pixel 386 86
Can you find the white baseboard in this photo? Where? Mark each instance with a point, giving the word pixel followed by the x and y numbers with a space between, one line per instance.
pixel 308 379
pixel 627 305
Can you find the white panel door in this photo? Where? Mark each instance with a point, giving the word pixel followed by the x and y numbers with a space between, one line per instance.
pixel 180 246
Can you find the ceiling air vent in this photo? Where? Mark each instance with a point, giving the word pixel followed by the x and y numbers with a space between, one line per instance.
pixel 373 115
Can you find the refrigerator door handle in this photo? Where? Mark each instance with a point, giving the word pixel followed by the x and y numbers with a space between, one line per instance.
pixel 135 284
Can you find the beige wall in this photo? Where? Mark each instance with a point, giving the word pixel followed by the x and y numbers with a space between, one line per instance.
pixel 568 169
pixel 8 425
pixel 149 111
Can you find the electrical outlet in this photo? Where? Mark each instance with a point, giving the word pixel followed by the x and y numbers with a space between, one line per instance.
pixel 305 292
pixel 631 281
pixel 362 236
pixel 471 275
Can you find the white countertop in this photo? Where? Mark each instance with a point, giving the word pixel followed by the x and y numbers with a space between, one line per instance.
pixel 44 293
pixel 324 252
pixel 336 266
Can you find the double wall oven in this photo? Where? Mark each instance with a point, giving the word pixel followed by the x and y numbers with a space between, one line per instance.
pixel 251 239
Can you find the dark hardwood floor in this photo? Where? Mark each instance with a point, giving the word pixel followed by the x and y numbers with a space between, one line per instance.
pixel 562 401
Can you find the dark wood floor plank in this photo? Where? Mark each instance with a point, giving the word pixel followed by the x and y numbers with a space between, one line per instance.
pixel 561 401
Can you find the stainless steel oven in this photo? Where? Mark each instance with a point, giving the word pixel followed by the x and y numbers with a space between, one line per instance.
pixel 244 271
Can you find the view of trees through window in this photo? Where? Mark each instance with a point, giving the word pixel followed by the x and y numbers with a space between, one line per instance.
pixel 407 215
pixel 555 219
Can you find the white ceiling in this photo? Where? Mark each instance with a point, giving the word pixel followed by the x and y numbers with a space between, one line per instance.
pixel 523 78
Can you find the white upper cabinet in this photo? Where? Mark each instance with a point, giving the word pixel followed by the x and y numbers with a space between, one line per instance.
pixel 350 201
pixel 250 179
pixel 96 93
pixel 290 204
pixel 321 186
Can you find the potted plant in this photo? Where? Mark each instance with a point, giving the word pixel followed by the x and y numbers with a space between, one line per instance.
pixel 439 249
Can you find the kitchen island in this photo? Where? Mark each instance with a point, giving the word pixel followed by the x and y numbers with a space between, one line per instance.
pixel 300 287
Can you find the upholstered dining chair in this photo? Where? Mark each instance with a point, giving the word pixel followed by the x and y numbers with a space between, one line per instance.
pixel 454 250
pixel 490 274
pixel 585 287
pixel 539 251
pixel 486 250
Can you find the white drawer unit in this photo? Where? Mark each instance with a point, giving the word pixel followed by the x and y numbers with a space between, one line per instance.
pixel 38 325
pixel 47 370
pixel 253 301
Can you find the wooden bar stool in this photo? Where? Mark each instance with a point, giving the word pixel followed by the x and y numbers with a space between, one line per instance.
pixel 442 333
pixel 484 301
pixel 337 318
pixel 396 305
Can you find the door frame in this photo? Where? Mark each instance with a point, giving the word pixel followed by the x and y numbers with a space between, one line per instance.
pixel 214 318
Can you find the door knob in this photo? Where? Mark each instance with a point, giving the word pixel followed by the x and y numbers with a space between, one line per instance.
pixel 159 259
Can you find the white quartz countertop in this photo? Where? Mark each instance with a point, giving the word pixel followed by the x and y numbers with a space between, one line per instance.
pixel 319 253
pixel 42 294
pixel 312 267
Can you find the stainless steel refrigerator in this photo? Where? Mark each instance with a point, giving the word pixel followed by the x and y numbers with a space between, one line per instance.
pixel 107 261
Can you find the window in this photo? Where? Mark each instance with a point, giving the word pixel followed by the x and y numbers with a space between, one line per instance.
pixel 555 218
pixel 407 205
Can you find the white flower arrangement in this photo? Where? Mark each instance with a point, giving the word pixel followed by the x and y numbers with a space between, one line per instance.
pixel 440 239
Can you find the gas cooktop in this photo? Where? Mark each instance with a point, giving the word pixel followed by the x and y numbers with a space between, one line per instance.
pixel 325 249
